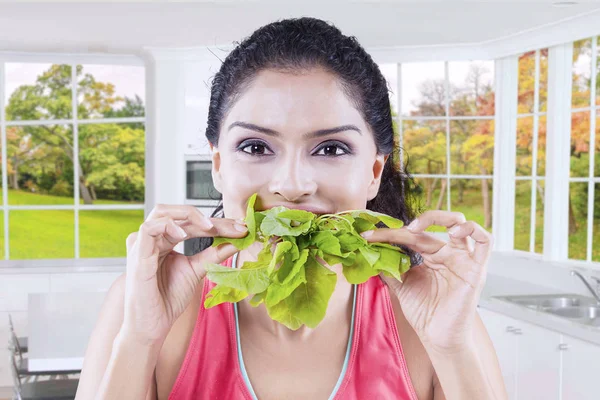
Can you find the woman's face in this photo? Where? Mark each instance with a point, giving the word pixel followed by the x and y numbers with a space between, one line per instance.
pixel 297 141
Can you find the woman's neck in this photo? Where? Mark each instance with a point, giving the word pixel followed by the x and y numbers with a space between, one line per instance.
pixel 338 315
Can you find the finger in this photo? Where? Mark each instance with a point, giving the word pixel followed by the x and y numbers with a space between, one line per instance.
pixel 130 241
pixel 157 237
pixel 447 219
pixel 163 234
pixel 225 227
pixel 483 240
pixel 393 283
pixel 419 242
pixel 183 213
pixel 211 255
pixel 436 217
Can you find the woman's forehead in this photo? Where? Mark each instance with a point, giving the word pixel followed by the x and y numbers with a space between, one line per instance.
pixel 279 99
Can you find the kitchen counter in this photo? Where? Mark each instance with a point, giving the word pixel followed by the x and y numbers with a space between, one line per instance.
pixel 502 286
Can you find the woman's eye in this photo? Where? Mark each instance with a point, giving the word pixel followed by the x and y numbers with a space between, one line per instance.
pixel 332 150
pixel 255 148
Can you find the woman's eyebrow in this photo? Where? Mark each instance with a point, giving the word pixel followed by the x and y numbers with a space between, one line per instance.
pixel 317 133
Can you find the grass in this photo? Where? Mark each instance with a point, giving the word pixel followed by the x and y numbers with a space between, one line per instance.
pixel 472 207
pixel 40 234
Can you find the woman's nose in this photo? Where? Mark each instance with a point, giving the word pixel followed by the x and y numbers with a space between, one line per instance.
pixel 292 180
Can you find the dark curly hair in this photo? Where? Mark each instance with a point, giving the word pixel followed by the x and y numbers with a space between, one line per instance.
pixel 301 44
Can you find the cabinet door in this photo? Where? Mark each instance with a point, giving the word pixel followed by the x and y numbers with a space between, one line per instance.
pixel 505 343
pixel 581 369
pixel 538 363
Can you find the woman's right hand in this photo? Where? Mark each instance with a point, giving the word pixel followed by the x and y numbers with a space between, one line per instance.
pixel 161 282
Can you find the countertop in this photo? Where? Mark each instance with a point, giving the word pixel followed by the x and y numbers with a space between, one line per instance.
pixel 502 286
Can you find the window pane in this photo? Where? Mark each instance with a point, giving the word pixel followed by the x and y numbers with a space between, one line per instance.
pixel 423 89
pixel 522 215
pixel 390 73
pixel 582 71
pixel 598 73
pixel 431 193
pixel 539 216
pixel 541 155
pixel 526 83
pixel 471 88
pixel 472 147
pixel 424 143
pixel 596 229
pixel 199 181
pixel 473 198
pixel 597 152
pixel 2 254
pixel 543 80
pixel 578 207
pixel 110 91
pixel 102 233
pixel 112 163
pixel 41 234
pixel 580 144
pixel 40 164
pixel 37 92
pixel 524 145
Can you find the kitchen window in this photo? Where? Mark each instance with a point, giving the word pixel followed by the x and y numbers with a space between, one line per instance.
pixel 584 178
pixel 73 156
pixel 531 151
pixel 445 122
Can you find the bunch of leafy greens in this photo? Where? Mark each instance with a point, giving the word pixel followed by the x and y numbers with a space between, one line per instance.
pixel 292 282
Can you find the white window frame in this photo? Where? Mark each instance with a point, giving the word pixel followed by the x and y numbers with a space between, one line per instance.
pixel 560 61
pixel 73 60
pixel 594 111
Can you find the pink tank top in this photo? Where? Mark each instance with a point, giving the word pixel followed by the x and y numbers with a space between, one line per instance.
pixel 375 368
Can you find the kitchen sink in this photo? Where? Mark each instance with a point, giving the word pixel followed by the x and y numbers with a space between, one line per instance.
pixel 576 312
pixel 575 307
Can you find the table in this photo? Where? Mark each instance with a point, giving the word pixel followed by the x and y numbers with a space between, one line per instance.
pixel 60 325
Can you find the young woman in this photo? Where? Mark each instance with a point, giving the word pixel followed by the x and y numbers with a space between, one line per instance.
pixel 300 114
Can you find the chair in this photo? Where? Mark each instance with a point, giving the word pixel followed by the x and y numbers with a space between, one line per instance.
pixel 23 342
pixel 22 363
pixel 63 389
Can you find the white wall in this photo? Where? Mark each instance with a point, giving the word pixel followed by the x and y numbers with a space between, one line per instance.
pixel 15 287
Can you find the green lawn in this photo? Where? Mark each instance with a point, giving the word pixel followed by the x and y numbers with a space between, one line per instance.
pixel 39 234
pixel 472 207
pixel 50 234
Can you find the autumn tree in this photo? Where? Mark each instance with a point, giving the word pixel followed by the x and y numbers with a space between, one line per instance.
pixel 471 141
pixel 44 153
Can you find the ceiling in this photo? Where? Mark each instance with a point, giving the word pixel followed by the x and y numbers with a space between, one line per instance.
pixel 111 27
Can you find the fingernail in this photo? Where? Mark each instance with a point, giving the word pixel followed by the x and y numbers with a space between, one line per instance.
pixel 366 234
pixel 208 223
pixel 453 230
pixel 239 227
pixel 240 221
pixel 412 225
pixel 182 233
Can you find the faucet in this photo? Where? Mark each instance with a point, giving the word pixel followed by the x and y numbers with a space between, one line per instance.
pixel 587 284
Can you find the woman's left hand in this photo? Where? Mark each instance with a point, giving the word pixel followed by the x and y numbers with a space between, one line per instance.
pixel 439 297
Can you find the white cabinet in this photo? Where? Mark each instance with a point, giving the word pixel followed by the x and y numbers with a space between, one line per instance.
pixel 500 328
pixel 581 370
pixel 539 363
